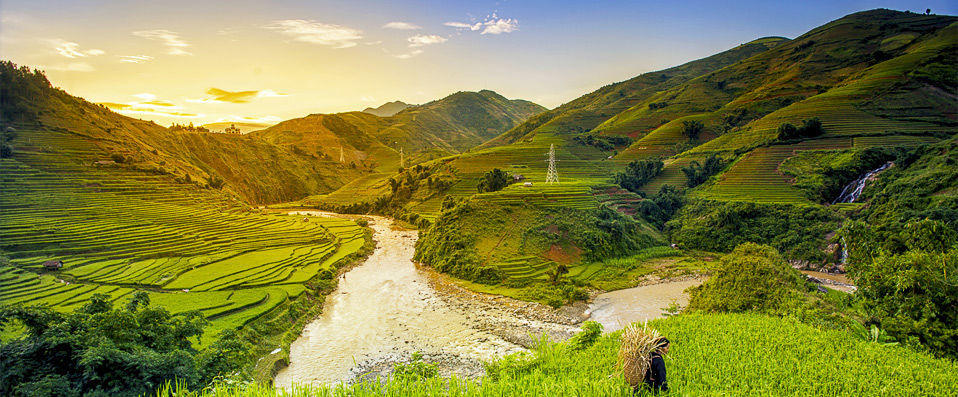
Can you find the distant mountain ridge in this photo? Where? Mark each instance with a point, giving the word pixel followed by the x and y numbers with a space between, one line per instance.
pixel 449 125
pixel 387 109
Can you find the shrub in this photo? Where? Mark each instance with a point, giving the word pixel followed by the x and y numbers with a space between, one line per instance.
pixel 494 181
pixel 692 129
pixel 591 331
pixel 752 278
pixel 810 128
pixel 696 174
pixel 638 173
pixel 911 294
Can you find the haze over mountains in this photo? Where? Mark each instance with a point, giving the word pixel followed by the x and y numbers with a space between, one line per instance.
pixel 387 109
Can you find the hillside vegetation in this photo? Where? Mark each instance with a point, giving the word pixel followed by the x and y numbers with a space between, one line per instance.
pixel 710 354
pixel 871 82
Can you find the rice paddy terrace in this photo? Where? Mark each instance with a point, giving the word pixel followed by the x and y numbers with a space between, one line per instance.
pixel 118 229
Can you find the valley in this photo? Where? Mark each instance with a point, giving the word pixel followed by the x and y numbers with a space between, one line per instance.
pixel 786 208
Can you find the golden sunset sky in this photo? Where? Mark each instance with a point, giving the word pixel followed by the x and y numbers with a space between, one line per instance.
pixel 266 61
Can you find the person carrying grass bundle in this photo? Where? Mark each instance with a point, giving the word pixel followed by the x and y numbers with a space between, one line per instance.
pixel 640 354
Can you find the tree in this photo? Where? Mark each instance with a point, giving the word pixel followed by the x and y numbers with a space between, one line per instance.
pixel 100 349
pixel 6 137
pixel 696 174
pixel 810 128
pixel 494 181
pixel 692 129
pixel 638 173
pixel 911 294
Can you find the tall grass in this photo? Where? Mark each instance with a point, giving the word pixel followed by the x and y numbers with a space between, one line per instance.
pixel 714 354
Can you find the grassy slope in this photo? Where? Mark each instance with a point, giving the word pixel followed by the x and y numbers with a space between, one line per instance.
pixel 252 169
pixel 118 229
pixel 716 354
pixel 588 111
pixel 831 72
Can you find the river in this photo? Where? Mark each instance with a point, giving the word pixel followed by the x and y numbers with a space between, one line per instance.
pixel 386 309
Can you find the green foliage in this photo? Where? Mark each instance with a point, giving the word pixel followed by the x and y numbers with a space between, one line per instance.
pixel 709 355
pixel 661 207
pixel 696 174
pixel 494 181
pixel 796 231
pixel 6 139
pixel 590 333
pixel 415 369
pixel 751 278
pixel 823 174
pixel 872 335
pixel 923 184
pixel 638 173
pixel 810 128
pixel 912 294
pixel 606 143
pixel 691 129
pixel 22 92
pixel 101 349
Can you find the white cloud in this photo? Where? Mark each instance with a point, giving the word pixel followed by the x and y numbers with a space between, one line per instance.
pixel 460 25
pixel 402 26
pixel 492 25
pixel 174 44
pixel 409 54
pixel 72 50
pixel 146 96
pixel 498 26
pixel 70 67
pixel 269 94
pixel 420 40
pixel 309 31
pixel 135 58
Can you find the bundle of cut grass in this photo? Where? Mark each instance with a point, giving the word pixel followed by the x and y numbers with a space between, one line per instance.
pixel 638 342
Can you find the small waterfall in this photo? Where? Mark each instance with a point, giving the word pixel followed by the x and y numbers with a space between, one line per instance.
pixel 844 251
pixel 854 189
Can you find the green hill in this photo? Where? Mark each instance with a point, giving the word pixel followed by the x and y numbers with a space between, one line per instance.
pixel 585 113
pixel 874 79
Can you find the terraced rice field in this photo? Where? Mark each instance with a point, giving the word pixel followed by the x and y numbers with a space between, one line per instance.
pixel 756 178
pixel 118 230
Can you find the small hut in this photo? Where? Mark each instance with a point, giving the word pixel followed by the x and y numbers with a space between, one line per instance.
pixel 517 177
pixel 53 264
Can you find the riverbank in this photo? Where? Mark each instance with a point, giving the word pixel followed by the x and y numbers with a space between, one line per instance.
pixel 387 308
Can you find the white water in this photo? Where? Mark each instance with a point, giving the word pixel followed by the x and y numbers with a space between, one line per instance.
pixel 854 189
pixel 382 312
pixel 616 309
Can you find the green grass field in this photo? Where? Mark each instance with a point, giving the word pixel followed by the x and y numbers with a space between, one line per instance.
pixel 715 354
pixel 118 230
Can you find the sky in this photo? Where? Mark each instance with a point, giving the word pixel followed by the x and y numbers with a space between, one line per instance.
pixel 266 61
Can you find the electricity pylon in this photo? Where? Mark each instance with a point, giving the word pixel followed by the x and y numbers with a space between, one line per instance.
pixel 552 176
pixel 342 157
pixel 402 159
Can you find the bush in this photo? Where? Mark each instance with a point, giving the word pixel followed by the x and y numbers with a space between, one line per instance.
pixel 692 129
pixel 796 231
pixel 494 181
pixel 102 350
pixel 810 128
pixel 911 294
pixel 696 174
pixel 752 278
pixel 638 173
